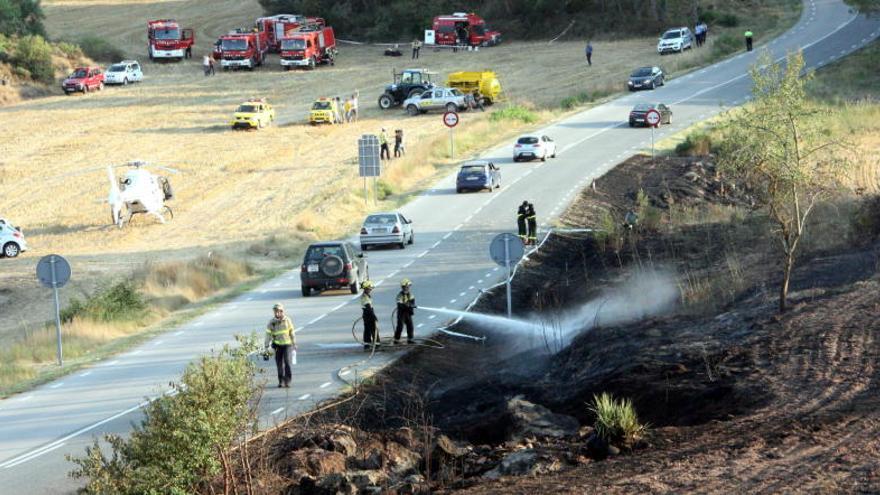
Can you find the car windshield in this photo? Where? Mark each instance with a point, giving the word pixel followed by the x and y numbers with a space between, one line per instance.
pixel 671 35
pixel 116 68
pixel 479 29
pixel 293 44
pixel 317 253
pixel 80 73
pixel 446 28
pixel 321 105
pixel 456 92
pixel 247 108
pixel 473 169
pixel 641 72
pixel 381 219
pixel 167 34
pixel 233 45
pixel 643 107
pixel 528 140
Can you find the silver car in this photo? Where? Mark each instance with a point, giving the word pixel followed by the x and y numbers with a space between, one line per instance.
pixel 12 240
pixel 127 71
pixel 386 228
pixel 443 99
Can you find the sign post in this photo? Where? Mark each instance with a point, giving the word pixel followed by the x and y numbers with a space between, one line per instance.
pixel 652 118
pixel 369 164
pixel 53 271
pixel 450 120
pixel 506 250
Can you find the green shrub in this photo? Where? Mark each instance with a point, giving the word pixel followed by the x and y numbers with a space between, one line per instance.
pixel 69 50
pixel 514 112
pixel 865 222
pixel 616 420
pixel 695 144
pixel 34 54
pixel 118 302
pixel 708 16
pixel 179 444
pixel 384 189
pixel 100 49
pixel 726 44
pixel 728 20
pixel 574 101
pixel 21 17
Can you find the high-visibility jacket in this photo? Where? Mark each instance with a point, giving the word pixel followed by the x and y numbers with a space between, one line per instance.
pixel 749 34
pixel 280 332
pixel 367 307
pixel 406 302
pixel 521 213
pixel 383 138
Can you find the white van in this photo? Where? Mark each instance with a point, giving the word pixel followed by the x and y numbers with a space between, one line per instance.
pixel 675 40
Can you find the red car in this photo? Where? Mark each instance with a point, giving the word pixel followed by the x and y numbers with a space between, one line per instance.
pixel 84 79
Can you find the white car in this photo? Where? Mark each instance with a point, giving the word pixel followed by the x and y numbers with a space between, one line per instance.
pixel 127 71
pixel 444 99
pixel 12 240
pixel 386 228
pixel 531 147
pixel 675 40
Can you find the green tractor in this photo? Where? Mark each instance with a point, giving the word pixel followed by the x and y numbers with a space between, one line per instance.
pixel 407 83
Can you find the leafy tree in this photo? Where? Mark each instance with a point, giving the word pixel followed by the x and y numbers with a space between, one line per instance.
pixel 777 147
pixel 866 6
pixel 21 17
pixel 184 439
pixel 34 54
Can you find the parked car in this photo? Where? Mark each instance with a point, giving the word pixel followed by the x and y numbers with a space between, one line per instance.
pixel 646 78
pixel 478 175
pixel 83 79
pixel 530 147
pixel 324 111
pixel 638 113
pixel 255 113
pixel 124 72
pixel 445 99
pixel 675 40
pixel 11 240
pixel 386 228
pixel 333 265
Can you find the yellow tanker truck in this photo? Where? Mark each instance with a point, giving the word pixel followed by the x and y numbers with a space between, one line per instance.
pixel 486 82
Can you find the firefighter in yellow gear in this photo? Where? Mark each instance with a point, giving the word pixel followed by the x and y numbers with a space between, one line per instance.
pixel 371 335
pixel 406 305
pixel 280 336
pixel 521 214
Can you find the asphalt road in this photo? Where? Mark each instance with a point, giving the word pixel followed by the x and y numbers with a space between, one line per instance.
pixel 448 265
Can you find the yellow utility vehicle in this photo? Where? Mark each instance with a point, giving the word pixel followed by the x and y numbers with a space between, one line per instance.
pixel 255 113
pixel 486 82
pixel 324 111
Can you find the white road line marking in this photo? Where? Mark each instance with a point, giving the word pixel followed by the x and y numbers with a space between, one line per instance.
pixel 452 301
pixel 457 228
pixel 421 254
pixel 338 306
pixel 26 398
pixel 304 396
pixel 462 294
pixel 276 411
pixel 446 236
pixel 158 343
pixel 233 306
pixel 33 455
pixel 495 269
pixel 263 291
pixel 178 333
pixel 198 323
pixel 112 363
pixel 326 384
pixel 468 219
pixel 470 288
pixel 431 317
pixel 320 318
pixel 249 299
pixel 480 281
pixel 343 373
pixel 408 264
pixel 488 275
pixel 87 373
pixel 393 273
pixel 420 325
pixel 435 245
pixel 59 384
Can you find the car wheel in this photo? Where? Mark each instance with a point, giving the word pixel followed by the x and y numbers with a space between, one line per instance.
pixel 554 153
pixel 669 119
pixel 662 81
pixel 385 102
pixel 412 238
pixel 515 159
pixel 653 85
pixel 85 88
pixel 458 190
pixel 544 156
pixel 451 107
pixel 412 110
pixel 11 250
pixel 125 82
pixel 353 287
pixel 632 124
pixel 402 245
pixel 306 291
pixel 364 247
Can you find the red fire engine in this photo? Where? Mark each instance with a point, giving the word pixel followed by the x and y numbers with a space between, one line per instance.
pixel 464 29
pixel 282 25
pixel 167 40
pixel 243 49
pixel 308 47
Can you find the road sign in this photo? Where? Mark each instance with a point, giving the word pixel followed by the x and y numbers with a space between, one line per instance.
pixel 450 119
pixel 53 271
pixel 369 164
pixel 652 118
pixel 507 249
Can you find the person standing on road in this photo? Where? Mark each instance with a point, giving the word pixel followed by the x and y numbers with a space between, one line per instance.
pixel 280 336
pixel 371 335
pixel 406 306
pixel 384 154
pixel 416 47
pixel 589 51
pixel 531 219
pixel 206 65
pixel 749 36
pixel 354 106
pixel 521 215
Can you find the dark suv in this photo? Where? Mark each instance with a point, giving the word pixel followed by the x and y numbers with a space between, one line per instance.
pixel 333 265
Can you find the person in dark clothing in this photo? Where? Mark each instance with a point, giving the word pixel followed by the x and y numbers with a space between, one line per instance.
pixel 384 154
pixel 406 305
pixel 521 215
pixel 749 37
pixel 398 143
pixel 589 51
pixel 532 221
pixel 416 48
pixel 478 100
pixel 371 334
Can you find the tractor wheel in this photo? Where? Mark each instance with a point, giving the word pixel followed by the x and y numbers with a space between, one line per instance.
pixel 386 101
pixel 414 92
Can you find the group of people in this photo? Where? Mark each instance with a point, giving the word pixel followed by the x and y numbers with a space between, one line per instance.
pixel 281 334
pixel 346 111
pixel 208 65
pixel 701 30
pixel 399 145
pixel 527 223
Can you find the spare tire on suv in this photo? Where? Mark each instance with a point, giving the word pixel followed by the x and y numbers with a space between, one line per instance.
pixel 332 266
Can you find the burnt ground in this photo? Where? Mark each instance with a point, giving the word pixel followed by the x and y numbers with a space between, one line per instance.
pixel 739 398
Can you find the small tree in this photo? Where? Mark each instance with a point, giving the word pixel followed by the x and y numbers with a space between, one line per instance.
pixel 777 147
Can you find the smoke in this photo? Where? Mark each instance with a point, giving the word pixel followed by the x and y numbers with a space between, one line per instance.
pixel 644 294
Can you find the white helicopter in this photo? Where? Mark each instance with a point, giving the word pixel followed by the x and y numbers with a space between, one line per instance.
pixel 139 191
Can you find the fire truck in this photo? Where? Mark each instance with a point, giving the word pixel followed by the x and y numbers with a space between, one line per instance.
pixel 167 39
pixel 243 49
pixel 308 47
pixel 464 29
pixel 282 25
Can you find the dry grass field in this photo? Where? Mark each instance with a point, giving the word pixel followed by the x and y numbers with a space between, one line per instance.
pixel 238 189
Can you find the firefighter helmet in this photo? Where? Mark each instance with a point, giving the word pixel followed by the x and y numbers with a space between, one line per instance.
pixel 277 307
pixel 366 284
pixel 405 282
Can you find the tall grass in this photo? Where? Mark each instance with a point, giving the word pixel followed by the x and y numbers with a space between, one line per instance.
pixel 616 420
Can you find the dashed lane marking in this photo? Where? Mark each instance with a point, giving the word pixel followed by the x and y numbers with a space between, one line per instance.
pixel 135 353
pixel 320 318
pixel 433 246
pixel 420 325
pixel 59 384
pixel 112 363
pixel 343 373
pixel 446 235
pixel 276 411
pixel 452 301
pixel 408 264
pixel 198 323
pixel 304 396
pixel 326 384
pixel 178 333
pixel 158 343
pixel 462 294
pixel 431 317
pixel 87 373
pixel 422 254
